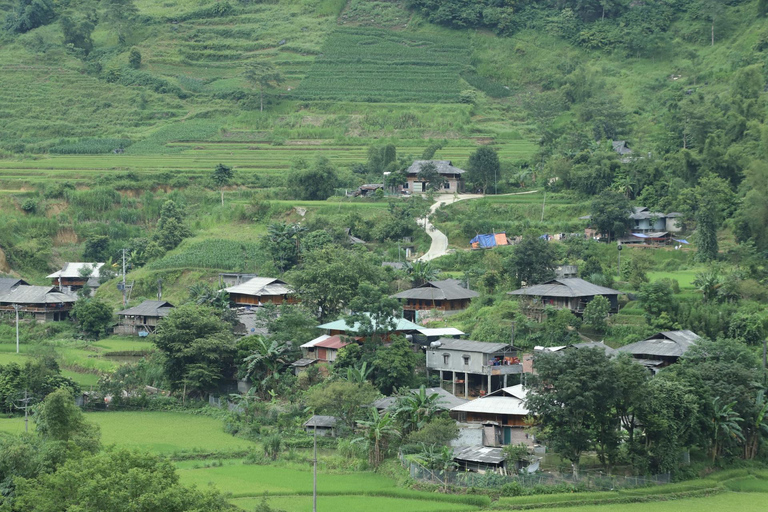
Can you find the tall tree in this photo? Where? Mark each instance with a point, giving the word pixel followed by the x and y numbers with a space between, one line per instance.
pixel 57 418
pixel 121 14
pixel 378 430
pixel 532 261
pixel 610 213
pixel 198 348
pixel 263 75
pixel 222 176
pixel 315 182
pixel 432 179
pixel 171 227
pixel 484 167
pixel 329 278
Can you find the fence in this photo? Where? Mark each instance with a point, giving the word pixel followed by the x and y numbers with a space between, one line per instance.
pixel 595 481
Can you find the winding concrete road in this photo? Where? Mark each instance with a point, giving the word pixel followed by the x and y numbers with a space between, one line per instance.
pixel 439 246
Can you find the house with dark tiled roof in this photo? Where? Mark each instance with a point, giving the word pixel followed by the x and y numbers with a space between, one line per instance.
pixel 143 319
pixel 662 349
pixel 44 303
pixel 446 169
pixel 447 296
pixel 569 293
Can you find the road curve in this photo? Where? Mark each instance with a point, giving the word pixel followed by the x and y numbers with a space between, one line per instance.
pixel 439 246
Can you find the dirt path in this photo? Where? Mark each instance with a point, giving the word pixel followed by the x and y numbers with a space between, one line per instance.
pixel 439 245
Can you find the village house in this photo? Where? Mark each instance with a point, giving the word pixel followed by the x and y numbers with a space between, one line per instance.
pixel 502 414
pixel 143 319
pixel 259 291
pixel 451 174
pixel 447 296
pixel 44 303
pixel 567 293
pixel 446 402
pixel 661 349
pixel 74 276
pixel 9 283
pixel 645 221
pixel 400 327
pixel 321 425
pixel 474 368
pixel 323 349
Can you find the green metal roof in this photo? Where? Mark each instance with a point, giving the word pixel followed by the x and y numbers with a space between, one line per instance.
pixel 341 325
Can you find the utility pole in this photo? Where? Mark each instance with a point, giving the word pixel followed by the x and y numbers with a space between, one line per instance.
pixel 314 471
pixel 25 401
pixel 543 203
pixel 17 307
pixel 618 247
pixel 124 301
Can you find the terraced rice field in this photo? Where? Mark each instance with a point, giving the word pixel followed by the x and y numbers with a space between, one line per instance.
pixel 199 158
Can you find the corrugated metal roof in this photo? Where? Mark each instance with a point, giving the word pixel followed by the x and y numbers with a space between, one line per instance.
pixel 492 404
pixel 321 421
pixel 516 391
pixel 72 270
pixel 663 344
pixel 565 287
pixel 443 167
pixel 483 347
pixel 447 399
pixel 401 324
pixel 148 308
pixel 440 331
pixel 333 342
pixel 259 286
pixel 6 283
pixel 35 295
pixel 448 289
pixel 483 454
pixel 312 343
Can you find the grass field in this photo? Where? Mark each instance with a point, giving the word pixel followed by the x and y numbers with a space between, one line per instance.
pixel 159 432
pixel 352 504
pixel 743 502
pixel 256 479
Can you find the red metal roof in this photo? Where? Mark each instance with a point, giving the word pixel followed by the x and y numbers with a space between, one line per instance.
pixel 335 342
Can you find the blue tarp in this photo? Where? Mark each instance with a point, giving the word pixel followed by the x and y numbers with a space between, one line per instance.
pixel 640 235
pixel 484 241
pixel 683 241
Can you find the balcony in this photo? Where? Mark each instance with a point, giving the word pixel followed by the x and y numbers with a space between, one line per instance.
pixel 505 369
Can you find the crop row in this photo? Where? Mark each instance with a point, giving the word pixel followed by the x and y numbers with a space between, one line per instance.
pixel 213 254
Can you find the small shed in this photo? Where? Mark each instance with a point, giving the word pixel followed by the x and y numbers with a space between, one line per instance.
pixel 479 458
pixel 325 425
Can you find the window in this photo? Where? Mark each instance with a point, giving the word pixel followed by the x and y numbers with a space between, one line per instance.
pixel 446 358
pixel 447 184
pixel 466 359
pixel 405 185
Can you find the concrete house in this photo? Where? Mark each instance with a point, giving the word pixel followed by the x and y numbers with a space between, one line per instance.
pixel 474 368
pixel 661 349
pixel 143 319
pixel 502 414
pixel 452 175
pixel 568 293
pixel 74 276
pixel 45 303
pixel 447 296
pixel 260 290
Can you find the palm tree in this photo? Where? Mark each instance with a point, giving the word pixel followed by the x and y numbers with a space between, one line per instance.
pixel 725 426
pixel 377 430
pixel 708 283
pixel 267 356
pixel 758 427
pixel 420 272
pixel 417 409
pixel 437 458
pixel 359 375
